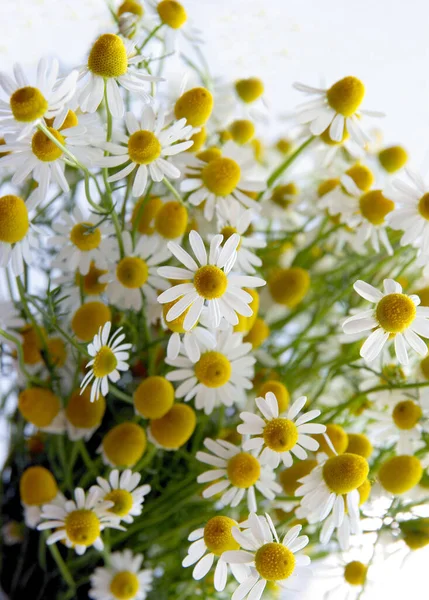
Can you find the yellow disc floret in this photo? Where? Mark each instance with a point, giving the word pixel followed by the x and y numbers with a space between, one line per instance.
pixel 406 414
pixel 274 562
pixel 213 369
pixel 364 491
pixel 327 186
pixel 284 145
pixel 172 13
pixel 122 501
pixel 395 312
pixel 358 443
pixel 91 281
pixel 32 344
pixel 280 434
pixel 326 137
pixel 249 90
pixel 362 176
pixel 345 472
pixel 289 286
pixel 175 428
pixel 243 470
pixel 132 272
pixel 392 159
pixel 355 572
pixel 143 147
pixel 374 206
pixel 124 444
pixel 210 282
pixel 144 213
pixel 88 319
pixel 108 56
pixel 37 486
pixel 57 351
pixel 423 206
pixel 28 104
pixel 346 95
pixel 242 131
pixel 400 473
pixel 198 138
pixel 279 390
pixel 44 148
pixel 130 6
pixel 218 535
pixel 13 219
pixel 221 176
pixel 82 527
pixel 338 437
pixel 105 362
pixel 39 406
pixel 171 220
pixel 258 334
pixel 289 477
pixel 124 585
pixel 195 106
pixel 85 236
pixel 82 413
pixel 285 195
pixel 154 397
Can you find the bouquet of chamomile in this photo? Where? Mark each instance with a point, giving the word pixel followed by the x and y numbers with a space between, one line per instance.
pixel 214 366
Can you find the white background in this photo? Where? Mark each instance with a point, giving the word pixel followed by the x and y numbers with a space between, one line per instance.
pixel 383 42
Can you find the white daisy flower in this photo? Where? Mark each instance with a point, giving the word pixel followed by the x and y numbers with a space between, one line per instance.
pixel 113 62
pixel 136 273
pixel 395 315
pixel 110 357
pixel 336 108
pixel 83 242
pixel 237 474
pixel 26 105
pixel 208 545
pixel 125 493
pixel 123 578
pixel 146 149
pixel 220 376
pixel 175 24
pixel 18 238
pixel 280 436
pixel 222 179
pixel 79 522
pixel 268 558
pixel 211 282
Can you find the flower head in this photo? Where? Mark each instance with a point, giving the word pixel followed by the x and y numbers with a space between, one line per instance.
pixel 122 579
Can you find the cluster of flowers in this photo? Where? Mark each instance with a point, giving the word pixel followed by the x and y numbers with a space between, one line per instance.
pixel 171 286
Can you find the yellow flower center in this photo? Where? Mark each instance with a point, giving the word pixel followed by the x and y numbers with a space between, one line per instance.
pixel 44 148
pixel 359 444
pixel 326 137
pixel 124 585
pixel 274 562
pixel 176 325
pixel 258 334
pixel 345 472
pixel 37 486
pixel 280 392
pixel 143 147
pixel 172 13
pixel 85 237
pixel 285 195
pixel 355 573
pixel 249 90
pixel 82 527
pixel 88 319
pixel 362 176
pixel 243 470
pixel 209 154
pixel 32 345
pixel 392 159
pixel 364 491
pixel 130 6
pixel 289 286
pixel 406 414
pixel 39 406
pixel 171 220
pixel 221 176
pixel 227 232
pixel 28 104
pixel 198 138
pixel 154 397
pixel 105 362
pixel 57 351
pixel 144 213
pixel 108 56
pixel 71 120
pixel 338 437
pixel 122 502
pixel 213 369
pixel 400 473
pixel 90 282
pixel 132 272
pixel 125 444
pixel 424 366
pixel 242 131
pixel 395 312
pixel 175 428
pixel 210 282
pixel 289 477
pixel 13 219
pixel 424 206
pixel 280 434
pixel 245 324
pixel 346 95
pixel 83 413
pixel 218 535
pixel 327 186
pixel 195 106
pixel 284 145
pixel 416 539
pixel 374 206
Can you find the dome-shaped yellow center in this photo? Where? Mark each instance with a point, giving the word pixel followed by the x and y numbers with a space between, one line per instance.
pixel 143 147
pixel 218 535
pixel 289 477
pixel 37 486
pixel 374 206
pixel 249 90
pixel 57 351
pixel 213 369
pixel 392 159
pixel 326 137
pixel 221 176
pixel 358 443
pixel 210 282
pixel 400 473
pixel 346 95
pixel 132 272
pixel 209 154
pixel 88 319
pixel 242 131
pixel 154 397
pixel 243 470
pixel 71 120
pixel 83 413
pixel 195 106
pixel 145 212
pixel 423 206
pixel 337 436
pixel 39 406
pixel 130 6
pixel 279 390
pixel 28 104
pixel 284 145
pixel 362 176
pixel 44 148
pixel 406 414
pixel 176 325
pixel 289 286
pixel 274 562
pixel 327 186
pixel 13 219
pixel 171 220
pixel 124 585
pixel 285 195
pixel 108 56
pixel 85 237
pixel 280 434
pixel 32 344
pixel 175 428
pixel 90 282
pixel 125 444
pixel 395 312
pixel 172 13
pixel 345 472
pixel 258 334
pixel 82 527
pixel 355 572
pixel 416 539
pixel 105 362
pixel 122 502
pixel 364 491
pixel 198 138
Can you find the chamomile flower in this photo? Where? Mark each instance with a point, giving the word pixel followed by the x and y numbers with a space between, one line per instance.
pixel 17 234
pixel 222 179
pixel 79 522
pixel 123 445
pixel 192 343
pixel 176 24
pixel 83 242
pixel 146 149
pixel 27 105
pixel 109 358
pixel 269 559
pixel 278 437
pixel 211 282
pixel 42 408
pixel 37 487
pixel 395 315
pixel 83 417
pixel 122 579
pixel 236 475
pixel 113 62
pixel 337 108
pixel 219 377
pixel 125 493
pixel 136 273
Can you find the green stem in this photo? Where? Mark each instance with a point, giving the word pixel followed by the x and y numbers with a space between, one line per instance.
pixel 61 565
pixel 286 163
pixel 172 190
pixel 149 37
